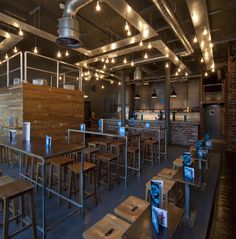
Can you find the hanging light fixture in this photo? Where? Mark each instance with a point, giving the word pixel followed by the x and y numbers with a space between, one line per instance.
pixel 6 56
pixel 126 26
pixel 67 53
pixel 21 33
pixel 141 43
pixel 129 33
pixel 112 60
pixel 15 50
pixel 173 93
pixel 154 95
pixel 145 55
pixel 35 50
pixel 132 63
pixel 195 39
pixel 59 54
pixel 98 7
pixel 149 45
pixel 125 60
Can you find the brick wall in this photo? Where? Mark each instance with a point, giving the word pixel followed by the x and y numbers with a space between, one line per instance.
pixel 231 105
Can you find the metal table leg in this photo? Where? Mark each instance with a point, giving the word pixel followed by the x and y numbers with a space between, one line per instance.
pixel 44 230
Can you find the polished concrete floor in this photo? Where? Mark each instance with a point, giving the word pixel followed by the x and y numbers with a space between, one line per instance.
pixel 73 227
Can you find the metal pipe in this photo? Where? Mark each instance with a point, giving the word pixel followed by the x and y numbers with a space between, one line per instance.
pixel 166 11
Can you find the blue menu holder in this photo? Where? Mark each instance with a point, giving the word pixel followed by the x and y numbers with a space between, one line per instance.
pixel 82 127
pixel 48 141
pixel 147 125
pixel 122 130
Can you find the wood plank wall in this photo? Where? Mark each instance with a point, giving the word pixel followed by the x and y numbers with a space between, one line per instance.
pixel 11 104
pixel 51 111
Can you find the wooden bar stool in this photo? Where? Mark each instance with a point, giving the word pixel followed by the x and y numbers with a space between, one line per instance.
pixel 108 158
pixel 91 154
pixel 94 144
pixel 75 170
pixel 105 145
pixel 131 209
pixel 29 164
pixel 150 150
pixel 117 148
pixel 11 191
pixel 133 152
pixel 177 163
pixel 58 163
pixel 109 227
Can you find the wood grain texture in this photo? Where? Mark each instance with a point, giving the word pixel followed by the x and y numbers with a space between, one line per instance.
pixel 51 111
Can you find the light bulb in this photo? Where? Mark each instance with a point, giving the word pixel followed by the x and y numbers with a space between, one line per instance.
pixel 6 56
pixel 126 26
pixel 67 53
pixel 202 44
pixel 206 74
pixel 213 69
pixel 211 45
pixel 167 55
pixel 179 70
pixel 102 87
pixel 35 50
pixel 186 73
pixel 97 78
pixel 103 60
pixel 202 60
pixel 15 50
pixel 85 64
pixel 129 33
pixel 104 66
pixel 132 63
pixel 107 60
pixel 113 60
pixel 112 82
pixel 125 60
pixel 149 45
pixel 119 83
pixel 145 55
pixel 59 54
pixel 7 35
pixel 167 65
pixel 195 39
pixel 21 33
pixel 141 43
pixel 98 7
pixel 176 73
pixel 204 31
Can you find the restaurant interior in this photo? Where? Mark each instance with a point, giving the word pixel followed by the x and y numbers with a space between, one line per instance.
pixel 117 119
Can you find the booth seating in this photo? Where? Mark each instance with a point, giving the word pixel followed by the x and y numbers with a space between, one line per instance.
pixel 107 159
pixel 59 163
pixel 109 227
pixel 132 209
pixel 74 170
pixel 10 192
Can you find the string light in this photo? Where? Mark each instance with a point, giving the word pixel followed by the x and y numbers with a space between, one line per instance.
pixel 21 33
pixel 141 43
pixel 129 33
pixel 15 50
pixel 119 83
pixel 125 60
pixel 35 50
pixel 205 31
pixel 104 66
pixel 126 26
pixel 107 60
pixel 195 39
pixel 67 53
pixel 103 60
pixel 112 60
pixel 59 54
pixel 186 73
pixel 206 74
pixel 167 65
pixel 7 35
pixel 98 7
pixel 149 45
pixel 202 60
pixel 6 56
pixel 145 55
pixel 112 82
pixel 103 87
pixel 132 63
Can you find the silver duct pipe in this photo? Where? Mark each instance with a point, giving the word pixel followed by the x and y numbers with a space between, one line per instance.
pixel 68 25
pixel 166 11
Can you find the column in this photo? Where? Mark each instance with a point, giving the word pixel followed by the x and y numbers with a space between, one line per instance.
pixel 123 97
pixel 167 102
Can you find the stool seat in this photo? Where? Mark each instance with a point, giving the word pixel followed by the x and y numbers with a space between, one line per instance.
pixel 117 143
pixel 5 180
pixel 88 151
pixel 150 141
pixel 132 149
pixel 168 173
pixel 131 209
pixel 61 161
pixel 15 188
pixel 107 157
pixel 109 227
pixel 76 168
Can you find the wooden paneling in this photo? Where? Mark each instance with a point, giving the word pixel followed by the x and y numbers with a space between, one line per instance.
pixel 11 104
pixel 51 111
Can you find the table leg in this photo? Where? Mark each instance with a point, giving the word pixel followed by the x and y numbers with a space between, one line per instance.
pixel 126 160
pixel 139 156
pixel 82 185
pixel 44 229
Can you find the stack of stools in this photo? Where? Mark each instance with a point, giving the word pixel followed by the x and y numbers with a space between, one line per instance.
pixel 74 170
pixel 150 150
pixel 10 192
pixel 109 227
pixel 132 209
pixel 108 159
pixel 59 163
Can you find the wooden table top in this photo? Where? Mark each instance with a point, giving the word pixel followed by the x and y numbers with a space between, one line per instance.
pixel 175 215
pixel 36 147
pixel 167 173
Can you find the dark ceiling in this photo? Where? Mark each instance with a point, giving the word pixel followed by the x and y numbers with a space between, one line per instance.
pixel 100 28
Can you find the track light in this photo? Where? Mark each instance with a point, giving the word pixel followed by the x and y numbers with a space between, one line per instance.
pixel 98 7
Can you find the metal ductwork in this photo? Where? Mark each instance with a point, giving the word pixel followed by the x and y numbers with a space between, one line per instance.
pixel 137 74
pixel 167 12
pixel 69 26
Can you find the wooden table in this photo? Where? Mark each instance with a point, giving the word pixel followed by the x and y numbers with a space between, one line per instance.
pixel 144 229
pixel 167 173
pixel 37 149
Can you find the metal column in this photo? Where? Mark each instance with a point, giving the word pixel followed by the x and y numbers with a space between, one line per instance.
pixel 167 102
pixel 123 98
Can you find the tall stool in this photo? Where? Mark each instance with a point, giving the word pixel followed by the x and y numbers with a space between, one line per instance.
pixel 150 150
pixel 110 227
pixel 108 158
pixel 11 191
pixel 75 170
pixel 91 154
pixel 132 209
pixel 116 148
pixel 58 163
pixel 133 152
pixel 105 145
pixel 94 144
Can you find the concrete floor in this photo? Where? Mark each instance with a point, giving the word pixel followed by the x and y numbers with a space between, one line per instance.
pixel 73 227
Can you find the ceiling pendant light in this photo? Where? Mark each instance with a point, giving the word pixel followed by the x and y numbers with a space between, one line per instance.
pixel 167 65
pixel 104 66
pixel 129 33
pixel 145 55
pixel 35 50
pixel 103 87
pixel 21 33
pixel 141 43
pixel 206 74
pixel 173 94
pixel 59 54
pixel 204 31
pixel 67 53
pixel 125 60
pixel 167 55
pixel 6 56
pixel 132 63
pixel 103 60
pixel 186 73
pixel 126 26
pixel 7 35
pixel 15 50
pixel 149 45
pixel 195 39
pixel 98 7
pixel 107 61
pixel 202 60
pixel 112 60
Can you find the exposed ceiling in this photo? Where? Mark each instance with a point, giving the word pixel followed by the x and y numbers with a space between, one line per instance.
pixel 98 29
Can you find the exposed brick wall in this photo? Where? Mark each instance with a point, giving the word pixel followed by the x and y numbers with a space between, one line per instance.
pixel 231 105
